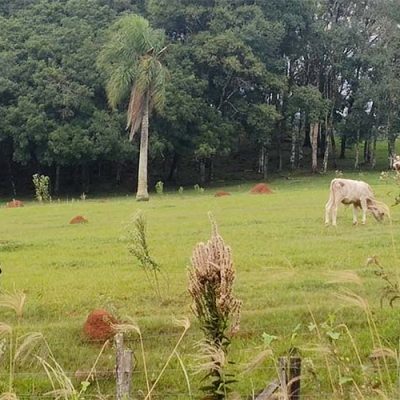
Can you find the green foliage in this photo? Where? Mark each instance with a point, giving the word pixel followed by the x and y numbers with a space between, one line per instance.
pixel 391 289
pixel 42 187
pixel 130 62
pixel 311 101
pixel 242 75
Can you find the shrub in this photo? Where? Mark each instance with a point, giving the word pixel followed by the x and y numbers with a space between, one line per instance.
pixel 42 185
pixel 159 187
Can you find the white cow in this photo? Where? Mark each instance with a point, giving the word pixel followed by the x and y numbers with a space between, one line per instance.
pixel 357 193
pixel 396 164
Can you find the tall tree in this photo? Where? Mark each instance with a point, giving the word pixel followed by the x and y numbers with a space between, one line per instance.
pixel 131 62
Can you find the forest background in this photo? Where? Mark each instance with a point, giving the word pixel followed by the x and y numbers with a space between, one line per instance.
pixel 254 88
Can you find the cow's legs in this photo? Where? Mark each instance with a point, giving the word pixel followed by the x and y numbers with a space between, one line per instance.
pixel 328 210
pixel 334 213
pixel 355 213
pixel 364 208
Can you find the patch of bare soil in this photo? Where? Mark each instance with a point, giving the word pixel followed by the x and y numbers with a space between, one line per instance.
pixel 221 193
pixel 79 219
pixel 15 204
pixel 261 188
pixel 98 325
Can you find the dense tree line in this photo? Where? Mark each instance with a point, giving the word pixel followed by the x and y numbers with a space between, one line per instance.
pixel 251 83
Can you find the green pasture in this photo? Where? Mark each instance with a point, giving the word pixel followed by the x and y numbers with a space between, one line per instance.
pixel 285 258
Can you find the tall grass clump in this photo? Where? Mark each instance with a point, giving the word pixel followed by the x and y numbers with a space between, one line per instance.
pixel 131 327
pixel 362 370
pixel 138 247
pixel 62 386
pixel 16 349
pixel 42 187
pixel 211 279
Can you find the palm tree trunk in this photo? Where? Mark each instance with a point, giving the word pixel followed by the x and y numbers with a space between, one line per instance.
pixel 142 193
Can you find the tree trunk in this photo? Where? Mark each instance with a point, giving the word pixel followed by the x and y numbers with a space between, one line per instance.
pixel 391 146
pixel 333 143
pixel 279 164
pixel 202 171
pixel 343 148
pixel 142 191
pixel 307 132
pixel 265 165
pixel 357 155
pixel 11 177
pixel 300 141
pixel 263 162
pixel 173 172
pixel 373 153
pixel 57 183
pixel 314 129
pixel 210 170
pixel 85 178
pixel 293 149
pixel 326 152
pixel 365 152
pixel 118 174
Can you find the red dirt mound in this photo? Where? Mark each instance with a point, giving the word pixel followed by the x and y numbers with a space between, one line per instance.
pixel 261 188
pixel 98 325
pixel 14 204
pixel 221 193
pixel 78 220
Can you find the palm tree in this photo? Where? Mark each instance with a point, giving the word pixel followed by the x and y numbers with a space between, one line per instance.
pixel 131 62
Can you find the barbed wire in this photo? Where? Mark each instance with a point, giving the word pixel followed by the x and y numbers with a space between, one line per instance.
pixel 183 395
pixel 102 373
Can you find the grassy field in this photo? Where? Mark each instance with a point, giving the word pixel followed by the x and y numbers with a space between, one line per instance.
pixel 285 260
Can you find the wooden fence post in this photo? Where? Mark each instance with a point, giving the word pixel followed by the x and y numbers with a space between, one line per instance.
pixel 123 368
pixel 289 370
pixel 294 378
pixel 283 375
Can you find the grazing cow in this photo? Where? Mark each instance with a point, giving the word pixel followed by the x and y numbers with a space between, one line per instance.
pixel 357 193
pixel 396 164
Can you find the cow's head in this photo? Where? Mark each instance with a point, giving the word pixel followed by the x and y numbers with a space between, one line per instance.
pixel 379 211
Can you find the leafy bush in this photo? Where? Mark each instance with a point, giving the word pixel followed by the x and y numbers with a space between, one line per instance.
pixel 159 187
pixel 42 187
